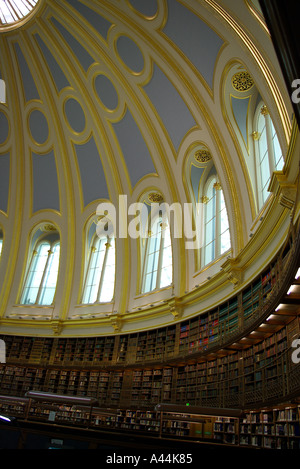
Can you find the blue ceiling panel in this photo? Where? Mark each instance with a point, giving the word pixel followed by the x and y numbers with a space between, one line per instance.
pixel 106 92
pixel 58 76
pixel 29 86
pixel 101 24
pixel 135 151
pixel 196 174
pixel 75 115
pixel 45 185
pixel 130 54
pixel 92 175
pixel 4 128
pixel 38 126
pixel 83 57
pixel 194 38
pixel 170 106
pixel 145 7
pixel 240 111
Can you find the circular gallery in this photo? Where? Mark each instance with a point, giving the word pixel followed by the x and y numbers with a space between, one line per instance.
pixel 149 224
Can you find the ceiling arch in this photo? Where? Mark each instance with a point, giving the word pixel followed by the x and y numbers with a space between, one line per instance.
pixel 109 98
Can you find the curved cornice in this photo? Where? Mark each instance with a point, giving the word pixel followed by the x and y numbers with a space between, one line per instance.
pixel 73 143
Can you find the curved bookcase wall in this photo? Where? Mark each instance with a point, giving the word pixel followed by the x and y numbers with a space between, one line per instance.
pixel 237 355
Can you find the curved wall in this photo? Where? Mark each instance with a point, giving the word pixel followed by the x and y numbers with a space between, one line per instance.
pixel 112 99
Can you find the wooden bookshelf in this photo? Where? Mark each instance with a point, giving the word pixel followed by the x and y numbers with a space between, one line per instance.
pixel 195 361
pixel 138 420
pixel 273 428
pixel 267 428
pixel 190 337
pixel 233 378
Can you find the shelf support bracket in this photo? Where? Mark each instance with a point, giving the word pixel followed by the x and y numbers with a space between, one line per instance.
pixel 57 327
pixel 233 271
pixel 175 308
pixel 116 323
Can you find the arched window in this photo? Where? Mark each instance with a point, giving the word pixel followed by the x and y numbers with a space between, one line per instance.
pixel 216 226
pixel 269 156
pixel 100 277
pixel 41 278
pixel 158 259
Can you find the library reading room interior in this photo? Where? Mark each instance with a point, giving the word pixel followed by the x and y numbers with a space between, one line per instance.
pixel 149 224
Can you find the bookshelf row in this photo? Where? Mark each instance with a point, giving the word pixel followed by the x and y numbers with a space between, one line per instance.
pixel 189 336
pixel 276 428
pixel 235 378
pixel 273 428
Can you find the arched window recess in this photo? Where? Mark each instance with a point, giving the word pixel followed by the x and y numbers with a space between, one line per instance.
pixel 216 234
pixel 42 272
pixel 157 269
pixel 268 153
pixel 99 280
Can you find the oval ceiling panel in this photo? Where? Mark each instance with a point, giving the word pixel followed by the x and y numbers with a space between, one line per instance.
pixel 106 92
pixel 130 54
pixel 4 127
pixel 38 126
pixel 75 115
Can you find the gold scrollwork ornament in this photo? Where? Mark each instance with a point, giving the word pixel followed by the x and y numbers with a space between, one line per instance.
pixel 242 81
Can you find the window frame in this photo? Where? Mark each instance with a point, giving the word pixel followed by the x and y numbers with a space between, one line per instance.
pixel 158 220
pixel 273 162
pixel 108 240
pixel 216 239
pixel 42 286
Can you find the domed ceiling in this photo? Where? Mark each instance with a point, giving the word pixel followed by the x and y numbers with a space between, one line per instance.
pixel 109 98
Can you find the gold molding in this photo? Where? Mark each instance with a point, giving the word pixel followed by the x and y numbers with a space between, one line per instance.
pixel 255 135
pixel 57 326
pixel 261 63
pixel 242 81
pixel 217 186
pixel 233 271
pixel 116 323
pixel 175 308
pixel 287 191
pixel 202 156
pixel 264 110
pixel 155 197
pixel 5 27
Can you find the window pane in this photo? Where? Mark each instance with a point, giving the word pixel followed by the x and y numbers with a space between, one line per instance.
pixel 210 223
pixel 1 242
pixel 108 285
pixel 209 253
pixel 152 263
pixel 50 279
pixel 223 214
pixel 166 269
pixel 158 255
pixel 151 271
pixel 94 272
pixel 265 176
pixel 224 226
pixel 263 144
pixel 209 231
pixel 150 281
pixel 154 240
pixel 264 167
pixel 35 274
pixel 152 257
pixel 225 241
pixel 277 153
pixel 210 209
